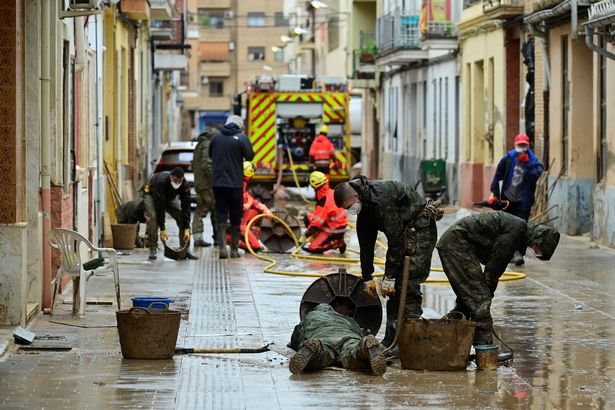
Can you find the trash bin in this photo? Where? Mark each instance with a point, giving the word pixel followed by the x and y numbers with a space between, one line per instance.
pixel 433 176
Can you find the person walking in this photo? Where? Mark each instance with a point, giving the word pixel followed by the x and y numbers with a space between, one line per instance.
pixel 518 171
pixel 228 149
pixel 159 196
pixel 203 185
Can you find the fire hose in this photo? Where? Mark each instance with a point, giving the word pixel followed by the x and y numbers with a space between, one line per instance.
pixel 506 277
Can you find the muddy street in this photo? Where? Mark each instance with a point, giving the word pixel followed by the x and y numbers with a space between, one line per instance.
pixel 559 321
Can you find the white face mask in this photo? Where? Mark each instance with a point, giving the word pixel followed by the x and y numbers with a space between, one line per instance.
pixel 355 208
pixel 520 149
pixel 175 185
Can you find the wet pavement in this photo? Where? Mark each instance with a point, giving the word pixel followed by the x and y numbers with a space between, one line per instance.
pixel 559 321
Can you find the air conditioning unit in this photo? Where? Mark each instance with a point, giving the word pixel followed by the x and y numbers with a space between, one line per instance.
pixel 231 46
pixel 204 80
pixel 229 15
pixel 84 4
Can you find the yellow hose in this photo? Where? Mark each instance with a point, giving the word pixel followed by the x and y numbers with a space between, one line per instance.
pixel 292 169
pixel 507 276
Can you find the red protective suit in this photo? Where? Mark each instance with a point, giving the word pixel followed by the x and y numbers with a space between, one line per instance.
pixel 251 208
pixel 322 153
pixel 328 222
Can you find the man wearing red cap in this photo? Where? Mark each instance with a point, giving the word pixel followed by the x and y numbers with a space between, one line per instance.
pixel 518 170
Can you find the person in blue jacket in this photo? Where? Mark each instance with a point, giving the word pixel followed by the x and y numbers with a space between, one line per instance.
pixel 518 170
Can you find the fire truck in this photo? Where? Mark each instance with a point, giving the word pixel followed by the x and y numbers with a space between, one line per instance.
pixel 284 116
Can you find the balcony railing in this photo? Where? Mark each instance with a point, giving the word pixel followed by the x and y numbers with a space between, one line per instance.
pixel 409 30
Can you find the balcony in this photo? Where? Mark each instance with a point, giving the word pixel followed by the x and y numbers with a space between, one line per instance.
pixel 208 103
pixel 601 14
pixel 502 9
pixel 161 30
pixel 364 58
pixel 162 9
pixel 136 9
pixel 216 69
pixel 404 37
pixel 214 4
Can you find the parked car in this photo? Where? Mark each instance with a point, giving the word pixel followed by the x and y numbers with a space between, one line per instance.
pixel 179 154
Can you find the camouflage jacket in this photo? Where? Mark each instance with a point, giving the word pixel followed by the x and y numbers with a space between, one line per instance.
pixel 492 236
pixel 387 206
pixel 328 326
pixel 202 164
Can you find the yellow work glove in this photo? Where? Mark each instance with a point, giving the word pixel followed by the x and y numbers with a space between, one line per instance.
pixel 268 213
pixel 387 287
pixel 164 235
pixel 369 287
pixel 186 235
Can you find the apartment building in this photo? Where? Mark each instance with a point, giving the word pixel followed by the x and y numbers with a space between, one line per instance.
pixel 237 40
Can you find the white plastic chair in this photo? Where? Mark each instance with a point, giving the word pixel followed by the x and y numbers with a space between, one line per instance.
pixel 69 244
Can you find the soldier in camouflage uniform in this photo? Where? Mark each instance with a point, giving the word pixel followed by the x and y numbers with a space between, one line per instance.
pixel 203 173
pixel 409 224
pixel 488 238
pixel 326 338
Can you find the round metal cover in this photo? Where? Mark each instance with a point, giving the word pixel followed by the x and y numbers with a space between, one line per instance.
pixel 345 293
pixel 275 237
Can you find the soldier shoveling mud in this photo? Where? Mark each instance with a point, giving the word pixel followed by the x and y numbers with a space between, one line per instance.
pixel 409 224
pixel 491 239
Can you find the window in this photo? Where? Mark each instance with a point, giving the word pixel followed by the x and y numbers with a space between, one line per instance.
pixel 446 135
pixel 256 53
pixel 434 116
pixel 278 55
pixel 280 20
pixel 216 87
pixel 602 138
pixel 184 78
pixel 256 19
pixel 214 51
pixel 565 104
pixel 211 19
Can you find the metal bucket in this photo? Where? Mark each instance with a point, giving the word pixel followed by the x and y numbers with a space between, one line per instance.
pixel 148 333
pixel 176 254
pixel 124 235
pixel 439 344
pixel 486 357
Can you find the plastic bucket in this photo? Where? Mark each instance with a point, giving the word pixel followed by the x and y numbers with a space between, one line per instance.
pixel 152 303
pixel 442 344
pixel 124 235
pixel 148 333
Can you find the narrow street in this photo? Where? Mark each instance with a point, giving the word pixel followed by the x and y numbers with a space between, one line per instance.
pixel 559 320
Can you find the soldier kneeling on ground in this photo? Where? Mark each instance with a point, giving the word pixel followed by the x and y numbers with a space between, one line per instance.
pixel 490 238
pixel 132 212
pixel 326 338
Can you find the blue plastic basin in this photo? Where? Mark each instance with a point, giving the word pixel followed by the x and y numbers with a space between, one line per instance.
pixel 146 302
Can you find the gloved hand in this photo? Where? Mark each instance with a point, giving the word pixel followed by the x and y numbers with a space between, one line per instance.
pixel 492 199
pixel 387 287
pixel 310 231
pixel 268 213
pixel 523 157
pixel 369 287
pixel 433 211
pixel 164 235
pixel 186 235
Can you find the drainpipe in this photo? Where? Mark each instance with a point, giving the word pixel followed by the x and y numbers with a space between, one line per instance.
pixel 99 138
pixel 45 150
pixel 589 36
pixel 574 17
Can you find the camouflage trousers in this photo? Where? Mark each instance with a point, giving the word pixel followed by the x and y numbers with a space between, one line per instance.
pixel 346 353
pixel 151 226
pixel 474 291
pixel 421 239
pixel 204 205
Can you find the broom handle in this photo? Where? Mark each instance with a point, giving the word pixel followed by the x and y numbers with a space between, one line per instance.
pixel 402 302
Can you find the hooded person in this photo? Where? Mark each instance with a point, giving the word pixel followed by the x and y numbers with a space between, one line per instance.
pixel 228 149
pixel 251 208
pixel 159 197
pixel 517 172
pixel 490 239
pixel 409 223
pixel 327 224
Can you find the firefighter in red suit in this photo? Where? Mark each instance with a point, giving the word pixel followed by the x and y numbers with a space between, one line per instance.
pixel 322 151
pixel 327 224
pixel 251 208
